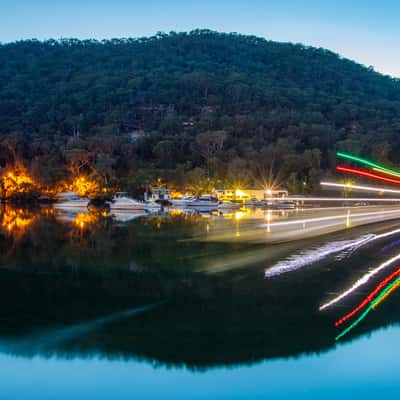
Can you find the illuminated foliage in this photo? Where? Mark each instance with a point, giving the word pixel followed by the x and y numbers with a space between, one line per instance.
pixel 17 184
pixel 86 186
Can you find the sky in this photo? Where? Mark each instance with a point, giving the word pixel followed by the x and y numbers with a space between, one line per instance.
pixel 366 31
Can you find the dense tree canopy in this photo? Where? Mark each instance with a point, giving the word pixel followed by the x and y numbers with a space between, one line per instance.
pixel 190 108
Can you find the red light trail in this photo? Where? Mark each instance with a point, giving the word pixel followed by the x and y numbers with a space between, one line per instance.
pixel 368 299
pixel 362 172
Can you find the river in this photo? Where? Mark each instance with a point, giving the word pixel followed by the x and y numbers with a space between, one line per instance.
pixel 181 305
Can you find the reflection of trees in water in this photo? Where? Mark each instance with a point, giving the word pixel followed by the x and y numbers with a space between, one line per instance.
pixel 15 224
pixel 15 221
pixel 42 240
pixel 206 321
pixel 70 274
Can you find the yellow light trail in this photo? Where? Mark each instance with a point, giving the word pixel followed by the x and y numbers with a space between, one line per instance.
pixel 395 286
pixel 386 172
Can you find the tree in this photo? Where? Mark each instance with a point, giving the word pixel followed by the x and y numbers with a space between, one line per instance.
pixel 209 144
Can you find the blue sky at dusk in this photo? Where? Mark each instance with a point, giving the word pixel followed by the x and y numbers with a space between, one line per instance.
pixel 364 30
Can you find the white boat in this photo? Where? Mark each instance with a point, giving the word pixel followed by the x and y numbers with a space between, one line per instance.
pixel 121 202
pixel 204 202
pixel 71 201
pixel 183 202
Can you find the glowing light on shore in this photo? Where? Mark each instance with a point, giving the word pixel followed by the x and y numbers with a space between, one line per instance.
pixel 360 187
pixel 364 173
pixel 375 166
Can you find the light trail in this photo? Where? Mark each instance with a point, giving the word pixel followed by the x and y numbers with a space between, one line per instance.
pixel 367 162
pixel 386 172
pixel 354 324
pixel 368 299
pixel 382 296
pixel 361 187
pixel 365 278
pixel 313 255
pixel 362 172
pixel 330 218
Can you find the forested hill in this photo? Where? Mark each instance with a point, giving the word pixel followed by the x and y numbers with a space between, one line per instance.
pixel 186 106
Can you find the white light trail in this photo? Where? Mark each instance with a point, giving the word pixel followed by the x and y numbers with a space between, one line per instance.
pixel 313 255
pixel 360 282
pixel 330 218
pixel 360 187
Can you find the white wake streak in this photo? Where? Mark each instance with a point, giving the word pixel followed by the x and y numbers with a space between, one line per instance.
pixel 311 256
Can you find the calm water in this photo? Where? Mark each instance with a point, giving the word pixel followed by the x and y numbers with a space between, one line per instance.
pixel 178 306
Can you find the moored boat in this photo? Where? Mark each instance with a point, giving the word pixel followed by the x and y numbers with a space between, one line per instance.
pixel 183 202
pixel 204 202
pixel 122 202
pixel 70 200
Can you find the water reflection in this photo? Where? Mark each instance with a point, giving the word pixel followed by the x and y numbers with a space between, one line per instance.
pixel 15 221
pixel 67 281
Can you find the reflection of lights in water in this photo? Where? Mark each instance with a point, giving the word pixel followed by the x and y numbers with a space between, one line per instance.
pixel 390 245
pixel 313 255
pixel 364 279
pixel 239 215
pixel 268 218
pixel 368 299
pixel 15 219
pixel 348 222
pixel 395 285
pixel 333 217
pixel 362 172
pixel 81 220
pixel 175 212
pixel 381 297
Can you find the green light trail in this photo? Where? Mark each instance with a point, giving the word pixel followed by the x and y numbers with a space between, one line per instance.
pixel 368 310
pixel 366 162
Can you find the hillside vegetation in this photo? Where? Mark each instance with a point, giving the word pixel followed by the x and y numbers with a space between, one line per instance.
pixel 193 109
